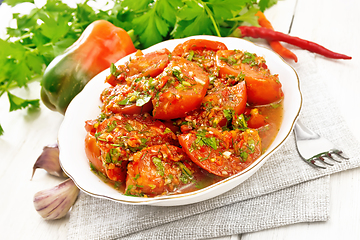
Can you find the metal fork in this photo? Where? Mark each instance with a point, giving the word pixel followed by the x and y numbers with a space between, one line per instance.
pixel 313 148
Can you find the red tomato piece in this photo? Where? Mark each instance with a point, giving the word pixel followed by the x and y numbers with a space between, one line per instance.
pixel 117 172
pixel 89 126
pixel 150 64
pixel 158 170
pixel 133 132
pixel 262 87
pixel 197 44
pixel 256 120
pixel 123 99
pixel 112 80
pixel 93 153
pixel 218 108
pixel 229 98
pixel 223 153
pixel 120 136
pixel 182 86
pixel 142 65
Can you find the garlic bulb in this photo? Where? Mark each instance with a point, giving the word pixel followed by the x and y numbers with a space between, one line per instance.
pixel 54 203
pixel 49 160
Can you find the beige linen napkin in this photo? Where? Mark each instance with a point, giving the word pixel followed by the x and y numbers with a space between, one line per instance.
pixel 284 191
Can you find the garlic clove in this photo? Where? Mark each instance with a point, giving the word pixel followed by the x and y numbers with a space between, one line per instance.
pixel 49 160
pixel 54 203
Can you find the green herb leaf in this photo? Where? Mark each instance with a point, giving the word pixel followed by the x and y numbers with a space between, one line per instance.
pixel 202 139
pixel 12 3
pixel 167 130
pixel 125 101
pixel 248 16
pixel 229 114
pixel 153 31
pixel 113 70
pixel 159 166
pixel 19 103
pixel 1 130
pixel 249 58
pixel 111 126
pixel 192 20
pixel 264 4
pixel 129 127
pixel 240 122
pixel 185 170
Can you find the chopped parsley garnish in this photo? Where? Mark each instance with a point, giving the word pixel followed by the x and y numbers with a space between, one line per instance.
pixel 125 101
pixel 167 130
pixel 136 177
pixel 129 127
pixel 229 60
pixel 191 55
pixel 202 139
pixel 249 58
pixel 240 122
pixel 113 70
pixel 159 166
pixel 139 98
pixel 186 175
pixel 229 114
pixel 111 126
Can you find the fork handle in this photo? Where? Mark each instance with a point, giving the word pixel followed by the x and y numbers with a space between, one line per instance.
pixel 303 132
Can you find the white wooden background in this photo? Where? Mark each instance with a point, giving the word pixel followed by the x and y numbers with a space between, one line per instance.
pixel 332 23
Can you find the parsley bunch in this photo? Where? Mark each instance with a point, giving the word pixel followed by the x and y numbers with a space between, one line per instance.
pixel 46 32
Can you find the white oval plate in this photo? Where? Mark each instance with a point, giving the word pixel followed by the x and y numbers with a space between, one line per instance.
pixel 85 106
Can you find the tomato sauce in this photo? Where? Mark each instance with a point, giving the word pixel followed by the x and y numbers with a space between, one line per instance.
pixel 176 122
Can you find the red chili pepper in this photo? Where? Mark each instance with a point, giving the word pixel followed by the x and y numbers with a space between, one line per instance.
pixel 275 45
pixel 271 35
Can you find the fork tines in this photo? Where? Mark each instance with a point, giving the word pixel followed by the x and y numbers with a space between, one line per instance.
pixel 326 155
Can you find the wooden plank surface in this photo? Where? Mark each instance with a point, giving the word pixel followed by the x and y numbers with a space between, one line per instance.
pixel 333 23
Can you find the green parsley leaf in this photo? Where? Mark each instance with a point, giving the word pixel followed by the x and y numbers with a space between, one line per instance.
pixel 1 130
pixel 167 130
pixel 240 122
pixel 264 4
pixel 168 9
pixel 113 70
pixel 202 139
pixel 138 5
pixel 249 58
pixel 193 20
pixel 155 29
pixel 185 170
pixel 222 10
pixel 159 166
pixel 12 3
pixel 125 101
pixel 248 16
pixel 136 177
pixel 128 127
pixel 111 126
pixel 19 103
pixel 229 113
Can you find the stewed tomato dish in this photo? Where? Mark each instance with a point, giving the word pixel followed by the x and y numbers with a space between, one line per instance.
pixel 177 121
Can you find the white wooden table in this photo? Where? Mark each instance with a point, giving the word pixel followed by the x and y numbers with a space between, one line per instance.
pixel 332 23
